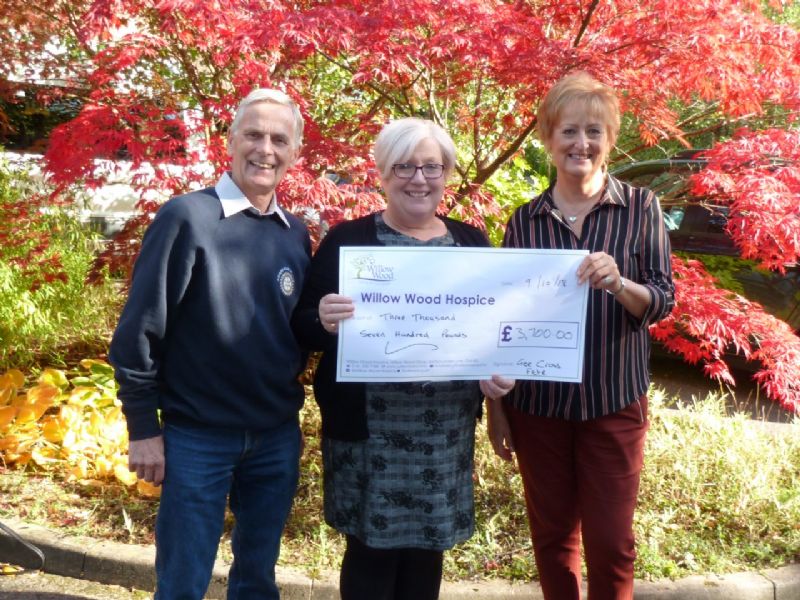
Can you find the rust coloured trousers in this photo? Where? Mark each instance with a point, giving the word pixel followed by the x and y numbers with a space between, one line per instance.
pixel 581 480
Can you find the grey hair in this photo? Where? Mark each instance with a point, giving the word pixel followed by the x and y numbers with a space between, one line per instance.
pixel 397 141
pixel 271 96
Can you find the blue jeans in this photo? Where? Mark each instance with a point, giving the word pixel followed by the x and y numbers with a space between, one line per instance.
pixel 259 469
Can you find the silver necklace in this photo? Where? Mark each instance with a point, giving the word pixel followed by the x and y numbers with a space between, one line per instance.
pixel 572 219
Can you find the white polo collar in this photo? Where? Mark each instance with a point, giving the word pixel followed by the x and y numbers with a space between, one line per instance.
pixel 234 201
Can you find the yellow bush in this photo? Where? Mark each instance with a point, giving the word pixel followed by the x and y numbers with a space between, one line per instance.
pixel 74 425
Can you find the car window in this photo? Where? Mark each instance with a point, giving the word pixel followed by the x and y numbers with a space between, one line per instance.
pixel 673 217
pixel 697 228
pixel 716 222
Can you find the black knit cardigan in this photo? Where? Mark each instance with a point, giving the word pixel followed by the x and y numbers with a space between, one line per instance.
pixel 343 405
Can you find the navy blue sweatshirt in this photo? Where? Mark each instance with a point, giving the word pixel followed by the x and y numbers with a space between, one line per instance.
pixel 205 333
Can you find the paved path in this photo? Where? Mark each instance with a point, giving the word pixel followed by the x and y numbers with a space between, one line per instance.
pixel 686 381
pixel 43 586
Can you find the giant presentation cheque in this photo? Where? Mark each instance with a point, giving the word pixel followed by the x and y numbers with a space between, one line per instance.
pixel 461 313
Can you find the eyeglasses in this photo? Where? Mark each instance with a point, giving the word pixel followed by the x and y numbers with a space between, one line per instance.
pixel 407 171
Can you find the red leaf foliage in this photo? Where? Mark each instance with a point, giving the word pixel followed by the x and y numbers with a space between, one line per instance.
pixel 709 321
pixel 757 175
pixel 27 247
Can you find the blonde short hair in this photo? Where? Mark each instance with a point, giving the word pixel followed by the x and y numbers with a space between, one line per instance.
pixel 397 141
pixel 271 96
pixel 598 99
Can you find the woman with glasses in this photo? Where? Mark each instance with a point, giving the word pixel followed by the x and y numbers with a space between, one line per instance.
pixel 397 457
pixel 579 446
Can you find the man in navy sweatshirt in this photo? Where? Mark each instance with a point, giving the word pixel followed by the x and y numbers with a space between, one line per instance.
pixel 207 364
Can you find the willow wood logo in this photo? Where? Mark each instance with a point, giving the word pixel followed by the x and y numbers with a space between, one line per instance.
pixel 366 268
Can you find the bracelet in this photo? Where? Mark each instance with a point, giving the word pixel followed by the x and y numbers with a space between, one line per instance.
pixel 621 287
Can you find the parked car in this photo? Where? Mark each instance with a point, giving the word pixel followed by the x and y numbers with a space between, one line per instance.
pixel 697 227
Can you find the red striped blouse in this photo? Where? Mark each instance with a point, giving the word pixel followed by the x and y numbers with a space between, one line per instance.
pixel 627 224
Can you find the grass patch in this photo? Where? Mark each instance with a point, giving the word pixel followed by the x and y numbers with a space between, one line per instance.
pixel 106 511
pixel 718 495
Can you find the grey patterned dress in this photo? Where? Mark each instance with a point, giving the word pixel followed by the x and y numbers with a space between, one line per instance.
pixel 409 485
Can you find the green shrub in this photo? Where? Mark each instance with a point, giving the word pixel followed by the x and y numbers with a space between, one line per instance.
pixel 48 314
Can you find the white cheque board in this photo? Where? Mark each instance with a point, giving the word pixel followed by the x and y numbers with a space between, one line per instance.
pixel 425 314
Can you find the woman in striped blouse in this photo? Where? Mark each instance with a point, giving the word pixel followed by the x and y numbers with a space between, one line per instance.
pixel 579 446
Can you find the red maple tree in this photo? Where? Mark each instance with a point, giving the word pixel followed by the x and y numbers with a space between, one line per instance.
pixel 163 76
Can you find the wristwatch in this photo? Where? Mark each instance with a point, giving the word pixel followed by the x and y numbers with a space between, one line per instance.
pixel 621 287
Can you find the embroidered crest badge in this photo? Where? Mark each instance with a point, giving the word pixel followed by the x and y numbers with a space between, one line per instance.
pixel 286 281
